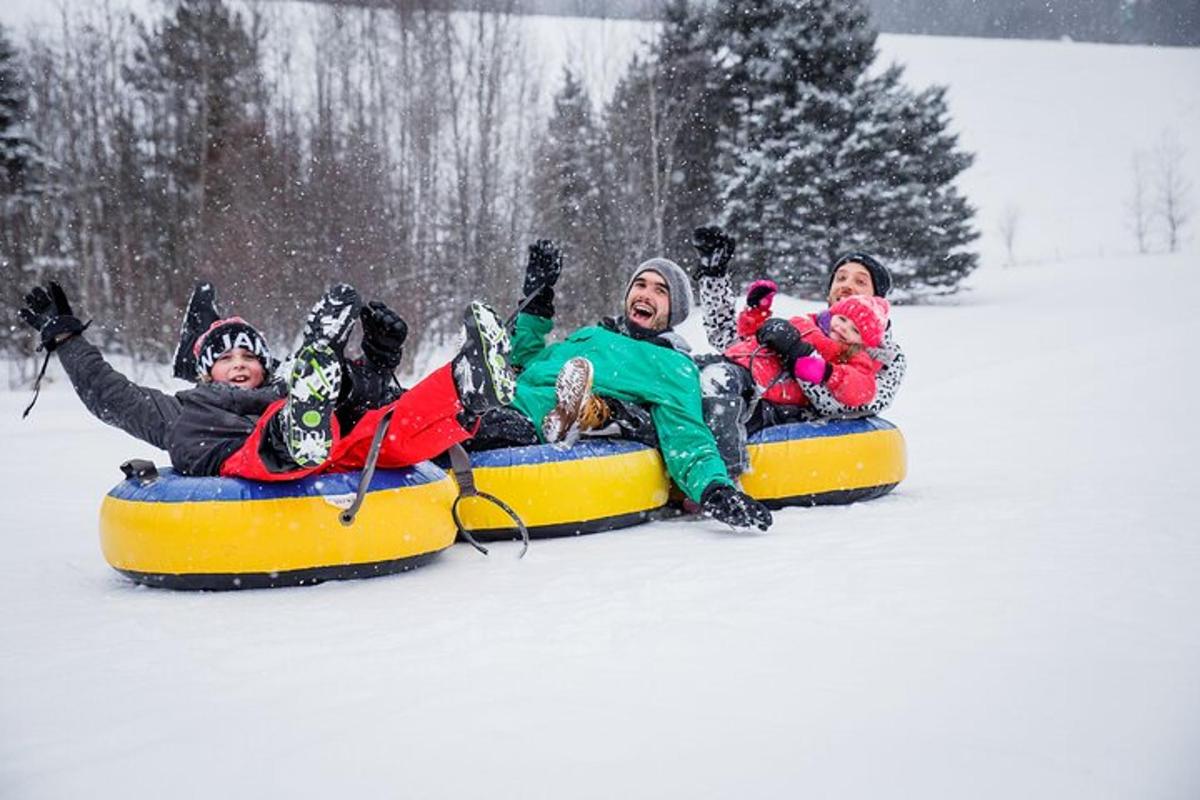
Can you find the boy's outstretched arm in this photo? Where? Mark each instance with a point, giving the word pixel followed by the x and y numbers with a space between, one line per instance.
pixel 144 413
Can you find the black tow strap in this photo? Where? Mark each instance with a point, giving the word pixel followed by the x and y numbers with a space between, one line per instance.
pixel 460 463
pixel 37 385
pixel 759 391
pixel 368 471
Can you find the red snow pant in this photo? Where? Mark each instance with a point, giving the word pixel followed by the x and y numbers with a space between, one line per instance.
pixel 424 424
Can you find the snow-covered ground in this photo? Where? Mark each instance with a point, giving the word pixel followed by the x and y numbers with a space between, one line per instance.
pixel 1017 620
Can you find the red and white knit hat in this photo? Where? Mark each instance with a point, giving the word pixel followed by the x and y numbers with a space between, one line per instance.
pixel 225 335
pixel 868 313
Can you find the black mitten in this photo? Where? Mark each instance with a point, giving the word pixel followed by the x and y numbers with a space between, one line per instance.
pixel 50 313
pixel 541 274
pixel 384 332
pixel 722 501
pixel 715 248
pixel 782 337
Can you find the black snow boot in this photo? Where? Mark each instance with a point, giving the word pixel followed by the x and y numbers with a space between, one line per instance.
pixel 481 369
pixel 201 313
pixel 315 377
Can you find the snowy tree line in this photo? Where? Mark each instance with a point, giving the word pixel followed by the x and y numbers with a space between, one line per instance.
pixel 407 152
pixel 186 148
pixel 1156 22
pixel 1159 22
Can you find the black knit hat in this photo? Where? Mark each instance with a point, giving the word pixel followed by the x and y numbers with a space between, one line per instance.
pixel 225 335
pixel 881 279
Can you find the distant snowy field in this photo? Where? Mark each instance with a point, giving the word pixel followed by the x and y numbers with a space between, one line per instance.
pixel 1018 619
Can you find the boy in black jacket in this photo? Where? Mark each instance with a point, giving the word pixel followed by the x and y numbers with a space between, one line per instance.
pixel 238 422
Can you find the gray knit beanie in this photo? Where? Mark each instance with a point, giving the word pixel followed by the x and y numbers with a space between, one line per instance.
pixel 677 284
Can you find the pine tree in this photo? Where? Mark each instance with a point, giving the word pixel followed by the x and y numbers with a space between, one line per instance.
pixel 687 88
pixel 817 157
pixel 663 126
pixel 572 203
pixel 628 124
pixel 21 170
pixel 18 153
pixel 899 199
pixel 200 91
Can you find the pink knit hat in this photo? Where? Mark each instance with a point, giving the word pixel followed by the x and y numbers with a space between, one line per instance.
pixel 868 313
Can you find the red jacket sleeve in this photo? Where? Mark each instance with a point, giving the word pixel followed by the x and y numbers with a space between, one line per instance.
pixel 750 320
pixel 852 383
pixel 807 327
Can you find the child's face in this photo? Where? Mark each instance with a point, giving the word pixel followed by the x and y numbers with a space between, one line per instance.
pixel 841 329
pixel 238 367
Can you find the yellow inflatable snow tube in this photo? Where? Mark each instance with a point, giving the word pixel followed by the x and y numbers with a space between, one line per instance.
pixel 227 533
pixel 603 484
pixel 596 485
pixel 828 462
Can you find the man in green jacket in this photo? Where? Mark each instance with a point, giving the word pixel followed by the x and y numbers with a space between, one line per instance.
pixel 628 363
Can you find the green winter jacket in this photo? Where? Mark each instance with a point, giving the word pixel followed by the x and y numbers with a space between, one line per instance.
pixel 632 370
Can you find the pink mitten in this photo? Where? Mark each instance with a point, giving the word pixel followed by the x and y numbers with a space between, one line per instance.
pixel 761 293
pixel 810 369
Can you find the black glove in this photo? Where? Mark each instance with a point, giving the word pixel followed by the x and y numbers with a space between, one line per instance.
pixel 541 273
pixel 383 336
pixel 722 501
pixel 715 249
pixel 782 337
pixel 50 313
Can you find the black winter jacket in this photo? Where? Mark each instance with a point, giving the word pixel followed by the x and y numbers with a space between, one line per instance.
pixel 199 427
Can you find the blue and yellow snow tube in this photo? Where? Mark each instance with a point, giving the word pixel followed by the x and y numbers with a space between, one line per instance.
pixel 226 533
pixel 597 485
pixel 828 462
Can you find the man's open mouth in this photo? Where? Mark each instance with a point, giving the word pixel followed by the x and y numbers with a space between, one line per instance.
pixel 642 311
